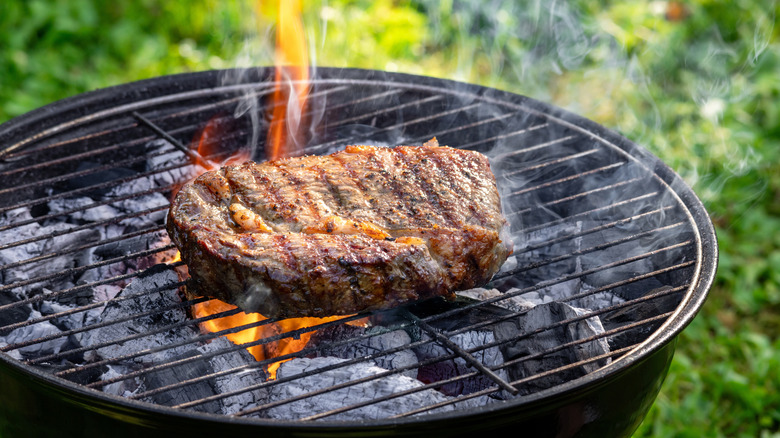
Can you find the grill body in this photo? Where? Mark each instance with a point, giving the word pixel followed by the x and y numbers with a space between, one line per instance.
pixel 558 169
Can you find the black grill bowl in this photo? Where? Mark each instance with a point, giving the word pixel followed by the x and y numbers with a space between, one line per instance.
pixel 553 168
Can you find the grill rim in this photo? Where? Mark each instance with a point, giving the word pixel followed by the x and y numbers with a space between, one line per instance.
pixel 701 282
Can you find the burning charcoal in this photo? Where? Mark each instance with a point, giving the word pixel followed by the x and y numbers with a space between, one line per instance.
pixel 172 158
pixel 94 214
pixel 639 312
pixel 235 381
pixel 139 202
pixel 33 332
pixel 546 315
pixel 514 303
pixel 14 314
pixel 368 346
pixel 55 244
pixel 338 398
pixel 187 393
pixel 458 366
pixel 126 387
pixel 95 178
pixel 158 279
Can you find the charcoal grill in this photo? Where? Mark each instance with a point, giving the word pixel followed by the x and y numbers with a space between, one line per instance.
pixel 592 215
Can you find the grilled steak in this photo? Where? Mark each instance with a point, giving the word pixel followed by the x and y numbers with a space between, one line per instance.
pixel 363 229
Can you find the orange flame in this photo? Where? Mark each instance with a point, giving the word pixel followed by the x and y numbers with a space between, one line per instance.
pixel 289 102
pixel 292 77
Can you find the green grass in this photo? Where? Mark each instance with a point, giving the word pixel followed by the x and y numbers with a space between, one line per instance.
pixel 702 93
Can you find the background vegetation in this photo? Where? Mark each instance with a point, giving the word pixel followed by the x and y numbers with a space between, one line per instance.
pixel 695 82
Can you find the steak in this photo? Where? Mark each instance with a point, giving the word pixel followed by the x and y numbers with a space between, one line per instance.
pixel 363 229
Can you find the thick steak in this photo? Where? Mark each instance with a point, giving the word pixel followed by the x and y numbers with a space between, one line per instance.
pixel 363 229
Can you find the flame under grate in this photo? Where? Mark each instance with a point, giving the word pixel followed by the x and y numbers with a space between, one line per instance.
pixel 605 252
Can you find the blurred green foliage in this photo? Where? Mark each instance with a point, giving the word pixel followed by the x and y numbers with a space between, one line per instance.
pixel 698 85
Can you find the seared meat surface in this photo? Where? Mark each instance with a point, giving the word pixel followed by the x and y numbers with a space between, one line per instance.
pixel 362 229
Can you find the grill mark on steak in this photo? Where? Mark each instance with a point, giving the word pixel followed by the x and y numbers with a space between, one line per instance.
pixel 268 206
pixel 300 191
pixel 417 174
pixel 405 198
pixel 449 173
pixel 332 189
pixel 361 191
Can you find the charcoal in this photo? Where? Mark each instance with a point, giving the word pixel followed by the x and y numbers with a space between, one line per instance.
pixel 235 381
pixel 338 398
pixel 95 178
pixel 94 214
pixel 36 248
pixel 545 315
pixel 383 341
pixel 124 388
pixel 187 393
pixel 172 158
pixel 639 312
pixel 458 366
pixel 15 314
pixel 139 202
pixel 512 303
pixel 143 301
pixel 36 331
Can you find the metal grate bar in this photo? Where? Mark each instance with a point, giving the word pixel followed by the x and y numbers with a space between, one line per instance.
pixel 48 182
pixel 494 389
pixel 303 352
pixel 80 269
pixel 472 126
pixel 496 138
pixel 581 195
pixel 567 179
pixel 43 257
pixel 176 143
pixel 309 350
pixel 88 226
pixel 613 224
pixel 551 260
pixel 455 348
pixel 547 163
pixel 587 213
pixel 109 201
pixel 91 327
pixel 534 147
pixel 100 186
pixel 347 140
pixel 64 292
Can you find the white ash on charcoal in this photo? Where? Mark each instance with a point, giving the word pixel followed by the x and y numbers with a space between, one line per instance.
pixel 569 266
pixel 33 332
pixel 544 315
pixel 124 388
pixel 450 368
pixel 163 154
pixel 82 214
pixel 151 291
pixel 334 399
pixel 54 244
pixel 138 203
pixel 380 340
pixel 249 376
